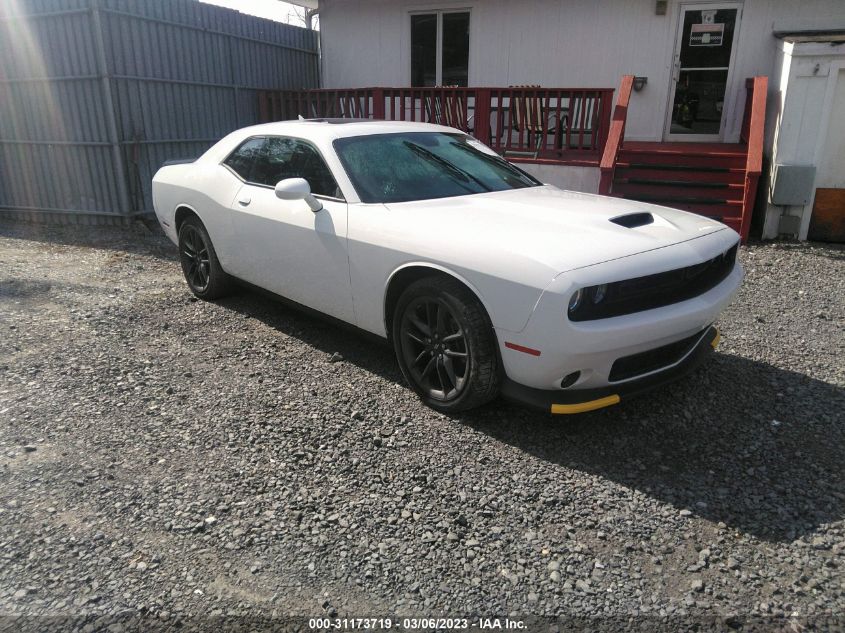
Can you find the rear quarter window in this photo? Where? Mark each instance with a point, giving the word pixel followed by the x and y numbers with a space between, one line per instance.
pixel 242 160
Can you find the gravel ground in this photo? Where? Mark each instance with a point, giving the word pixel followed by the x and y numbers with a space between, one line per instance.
pixel 176 460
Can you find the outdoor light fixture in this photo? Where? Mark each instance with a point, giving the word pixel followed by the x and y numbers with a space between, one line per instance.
pixel 660 7
pixel 639 83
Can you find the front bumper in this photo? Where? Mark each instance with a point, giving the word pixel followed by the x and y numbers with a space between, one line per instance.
pixel 582 400
pixel 551 347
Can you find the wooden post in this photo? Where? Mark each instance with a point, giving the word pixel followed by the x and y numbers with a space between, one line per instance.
pixel 481 116
pixel 754 160
pixel 378 103
pixel 615 136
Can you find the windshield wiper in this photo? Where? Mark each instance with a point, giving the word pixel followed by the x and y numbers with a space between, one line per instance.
pixel 496 161
pixel 439 160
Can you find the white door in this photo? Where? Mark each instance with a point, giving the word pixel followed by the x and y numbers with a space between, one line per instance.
pixel 286 247
pixel 702 77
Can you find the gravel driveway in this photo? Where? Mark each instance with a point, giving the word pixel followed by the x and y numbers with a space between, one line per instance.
pixel 175 460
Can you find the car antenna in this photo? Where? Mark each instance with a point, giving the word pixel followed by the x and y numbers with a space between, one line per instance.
pixel 300 117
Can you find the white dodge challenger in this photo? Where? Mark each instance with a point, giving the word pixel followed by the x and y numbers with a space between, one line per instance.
pixel 485 280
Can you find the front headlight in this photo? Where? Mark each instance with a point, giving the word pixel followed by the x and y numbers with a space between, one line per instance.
pixel 575 300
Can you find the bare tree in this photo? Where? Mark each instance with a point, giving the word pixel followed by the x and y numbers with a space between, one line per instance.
pixel 309 18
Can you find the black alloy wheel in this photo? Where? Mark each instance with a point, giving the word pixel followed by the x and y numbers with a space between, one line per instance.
pixel 195 259
pixel 202 270
pixel 435 348
pixel 445 344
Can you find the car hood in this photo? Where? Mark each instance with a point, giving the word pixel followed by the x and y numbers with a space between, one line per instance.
pixel 553 229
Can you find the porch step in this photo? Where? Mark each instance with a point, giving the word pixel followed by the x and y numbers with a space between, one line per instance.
pixel 678 190
pixel 726 175
pixel 711 207
pixel 664 199
pixel 684 149
pixel 682 162
pixel 672 167
pixel 662 182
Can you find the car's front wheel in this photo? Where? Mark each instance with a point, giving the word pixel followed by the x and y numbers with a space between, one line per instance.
pixel 445 345
pixel 202 270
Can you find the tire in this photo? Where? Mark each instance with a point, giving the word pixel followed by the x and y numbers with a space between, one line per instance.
pixel 200 265
pixel 445 345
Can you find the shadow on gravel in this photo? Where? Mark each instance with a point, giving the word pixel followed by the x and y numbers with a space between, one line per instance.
pixel 367 351
pixel 739 441
pixel 15 288
pixel 140 238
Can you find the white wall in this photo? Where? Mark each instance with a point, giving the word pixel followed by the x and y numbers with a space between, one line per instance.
pixel 810 126
pixel 559 43
pixel 565 176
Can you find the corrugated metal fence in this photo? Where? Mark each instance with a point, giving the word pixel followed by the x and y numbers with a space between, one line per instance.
pixel 96 94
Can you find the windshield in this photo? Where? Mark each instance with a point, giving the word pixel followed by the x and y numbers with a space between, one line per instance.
pixel 424 166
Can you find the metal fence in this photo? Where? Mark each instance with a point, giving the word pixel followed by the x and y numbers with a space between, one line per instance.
pixel 96 94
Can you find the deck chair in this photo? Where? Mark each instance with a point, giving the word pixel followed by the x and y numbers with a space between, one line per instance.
pixel 528 114
pixel 583 124
pixel 447 108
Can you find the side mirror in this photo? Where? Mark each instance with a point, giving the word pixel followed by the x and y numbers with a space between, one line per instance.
pixel 297 189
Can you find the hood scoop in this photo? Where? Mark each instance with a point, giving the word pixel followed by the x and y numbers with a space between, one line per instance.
pixel 633 220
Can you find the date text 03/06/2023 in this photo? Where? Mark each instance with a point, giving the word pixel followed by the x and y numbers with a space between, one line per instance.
pixel 410 624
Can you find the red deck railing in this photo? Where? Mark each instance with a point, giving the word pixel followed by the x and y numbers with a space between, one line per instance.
pixel 534 124
pixel 617 135
pixel 753 133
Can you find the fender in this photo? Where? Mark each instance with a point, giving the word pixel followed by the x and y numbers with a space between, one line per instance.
pixel 432 266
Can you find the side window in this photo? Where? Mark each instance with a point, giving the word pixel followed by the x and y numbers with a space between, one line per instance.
pixel 292 158
pixel 242 160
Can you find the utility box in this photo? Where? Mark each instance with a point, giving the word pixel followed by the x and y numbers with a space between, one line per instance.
pixel 792 184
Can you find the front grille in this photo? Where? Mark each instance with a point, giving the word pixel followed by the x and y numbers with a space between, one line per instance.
pixel 654 291
pixel 653 359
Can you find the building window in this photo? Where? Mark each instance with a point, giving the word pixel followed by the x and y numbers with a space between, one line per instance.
pixel 440 48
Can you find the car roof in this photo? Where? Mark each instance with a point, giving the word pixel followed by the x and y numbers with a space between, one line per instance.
pixel 330 129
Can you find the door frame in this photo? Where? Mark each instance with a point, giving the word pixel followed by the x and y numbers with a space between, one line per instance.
pixel 675 71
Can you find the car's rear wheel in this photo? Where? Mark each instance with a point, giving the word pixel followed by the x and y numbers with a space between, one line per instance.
pixel 202 270
pixel 445 345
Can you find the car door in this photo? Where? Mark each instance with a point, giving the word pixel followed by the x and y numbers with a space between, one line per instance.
pixel 286 247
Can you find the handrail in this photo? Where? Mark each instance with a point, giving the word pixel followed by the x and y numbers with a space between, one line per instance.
pixel 757 88
pixel 753 133
pixel 616 135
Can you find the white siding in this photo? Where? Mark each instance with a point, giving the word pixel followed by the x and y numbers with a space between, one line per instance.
pixel 570 177
pixel 559 43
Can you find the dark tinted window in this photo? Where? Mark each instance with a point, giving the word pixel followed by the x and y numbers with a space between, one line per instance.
pixel 424 166
pixel 455 49
pixel 242 159
pixel 424 49
pixel 282 158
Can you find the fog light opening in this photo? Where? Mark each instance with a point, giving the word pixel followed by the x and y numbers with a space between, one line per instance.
pixel 570 379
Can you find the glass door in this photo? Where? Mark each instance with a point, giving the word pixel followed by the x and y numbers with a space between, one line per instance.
pixel 704 54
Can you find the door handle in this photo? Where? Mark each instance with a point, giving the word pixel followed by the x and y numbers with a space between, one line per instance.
pixel 244 202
